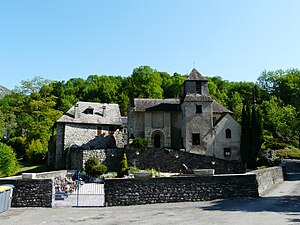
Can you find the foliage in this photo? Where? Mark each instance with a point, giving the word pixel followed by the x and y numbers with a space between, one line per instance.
pixel 123 169
pixel 8 161
pixel 93 167
pixel 140 143
pixel 36 152
pixel 251 139
pixel 289 152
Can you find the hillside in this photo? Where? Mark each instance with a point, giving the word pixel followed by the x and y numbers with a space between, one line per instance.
pixel 3 91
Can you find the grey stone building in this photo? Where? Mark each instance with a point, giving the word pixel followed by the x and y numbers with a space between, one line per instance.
pixel 193 123
pixel 84 128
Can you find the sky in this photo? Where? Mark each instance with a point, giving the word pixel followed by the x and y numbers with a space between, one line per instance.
pixel 62 39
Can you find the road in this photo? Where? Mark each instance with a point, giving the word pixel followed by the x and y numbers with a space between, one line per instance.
pixel 278 207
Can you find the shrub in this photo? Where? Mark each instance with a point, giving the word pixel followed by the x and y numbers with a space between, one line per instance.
pixel 94 168
pixel 36 152
pixel 123 166
pixel 140 143
pixel 8 161
pixel 289 152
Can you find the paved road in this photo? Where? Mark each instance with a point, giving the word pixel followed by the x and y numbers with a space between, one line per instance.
pixel 278 207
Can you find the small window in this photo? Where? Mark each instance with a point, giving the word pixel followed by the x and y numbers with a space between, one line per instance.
pixel 111 130
pixel 227 152
pixel 99 131
pixel 198 87
pixel 198 108
pixel 196 139
pixel 92 147
pixel 228 133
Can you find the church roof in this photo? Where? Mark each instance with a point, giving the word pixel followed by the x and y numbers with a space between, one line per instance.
pixel 112 115
pixel 146 104
pixel 218 108
pixel 171 105
pixel 195 75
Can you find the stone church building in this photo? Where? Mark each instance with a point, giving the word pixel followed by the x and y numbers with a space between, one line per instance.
pixel 194 123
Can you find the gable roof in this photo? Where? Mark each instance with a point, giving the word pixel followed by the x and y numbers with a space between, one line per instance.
pixel 195 75
pixel 146 104
pixel 111 116
pixel 218 108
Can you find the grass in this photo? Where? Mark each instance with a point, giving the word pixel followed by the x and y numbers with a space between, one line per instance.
pixel 30 168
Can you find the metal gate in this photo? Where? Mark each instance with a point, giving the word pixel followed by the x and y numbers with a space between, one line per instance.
pixel 78 193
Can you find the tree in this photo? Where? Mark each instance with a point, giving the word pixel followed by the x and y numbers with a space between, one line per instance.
pixel 144 82
pixel 8 161
pixel 94 168
pixel 123 166
pixel 251 137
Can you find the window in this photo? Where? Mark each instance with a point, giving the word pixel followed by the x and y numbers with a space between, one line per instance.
pixel 214 120
pixel 198 87
pixel 92 147
pixel 99 131
pixel 228 133
pixel 196 139
pixel 227 152
pixel 111 130
pixel 198 108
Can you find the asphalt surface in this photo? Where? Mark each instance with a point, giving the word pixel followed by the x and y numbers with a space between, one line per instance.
pixel 279 206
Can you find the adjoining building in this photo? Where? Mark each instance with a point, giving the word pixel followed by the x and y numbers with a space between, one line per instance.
pixel 86 126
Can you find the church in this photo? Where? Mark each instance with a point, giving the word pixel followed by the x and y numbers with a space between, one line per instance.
pixel 193 123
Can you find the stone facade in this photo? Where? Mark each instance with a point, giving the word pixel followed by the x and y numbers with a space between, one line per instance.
pixel 86 126
pixel 194 122
pixel 191 188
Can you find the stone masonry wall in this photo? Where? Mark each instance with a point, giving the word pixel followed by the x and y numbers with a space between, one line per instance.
pixel 178 189
pixel 30 193
pixel 190 188
pixel 172 160
pixel 267 178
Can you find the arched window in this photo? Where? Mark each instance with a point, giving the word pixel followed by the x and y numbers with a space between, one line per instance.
pixel 228 133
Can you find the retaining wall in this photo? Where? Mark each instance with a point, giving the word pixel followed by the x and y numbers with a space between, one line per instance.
pixel 121 192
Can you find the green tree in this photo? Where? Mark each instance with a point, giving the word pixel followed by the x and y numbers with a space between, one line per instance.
pixel 36 152
pixel 144 82
pixel 8 161
pixel 123 166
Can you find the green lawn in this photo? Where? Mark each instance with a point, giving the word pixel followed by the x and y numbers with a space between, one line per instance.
pixel 29 168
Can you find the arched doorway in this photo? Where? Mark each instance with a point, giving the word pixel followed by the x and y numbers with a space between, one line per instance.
pixel 157 139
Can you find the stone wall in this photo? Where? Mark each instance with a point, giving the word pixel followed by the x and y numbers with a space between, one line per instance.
pixel 190 188
pixel 178 189
pixel 172 160
pixel 31 193
pixel 267 178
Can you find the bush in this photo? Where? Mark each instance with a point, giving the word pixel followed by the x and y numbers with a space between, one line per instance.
pixel 140 143
pixel 289 152
pixel 36 152
pixel 8 161
pixel 94 168
pixel 123 166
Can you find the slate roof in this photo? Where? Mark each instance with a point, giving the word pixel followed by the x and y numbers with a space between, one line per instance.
pixel 142 104
pixel 218 108
pixel 146 104
pixel 112 115
pixel 195 75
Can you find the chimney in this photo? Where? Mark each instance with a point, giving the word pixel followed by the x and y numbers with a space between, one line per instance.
pixel 104 111
pixel 76 114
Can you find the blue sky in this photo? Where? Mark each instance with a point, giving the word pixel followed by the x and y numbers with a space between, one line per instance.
pixel 62 39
